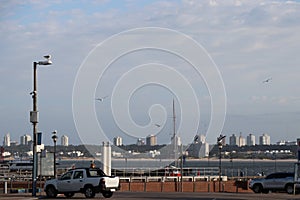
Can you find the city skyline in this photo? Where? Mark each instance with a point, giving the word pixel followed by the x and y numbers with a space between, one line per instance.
pixel 253 45
pixel 151 140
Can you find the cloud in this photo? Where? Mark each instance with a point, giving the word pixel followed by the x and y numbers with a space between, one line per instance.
pixel 248 40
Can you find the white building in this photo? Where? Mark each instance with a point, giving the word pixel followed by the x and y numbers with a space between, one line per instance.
pixel 242 141
pixel 177 140
pixel 118 141
pixel 6 141
pixel 250 140
pixel 265 139
pixel 65 140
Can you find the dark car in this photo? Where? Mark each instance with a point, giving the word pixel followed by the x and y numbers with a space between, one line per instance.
pixel 280 181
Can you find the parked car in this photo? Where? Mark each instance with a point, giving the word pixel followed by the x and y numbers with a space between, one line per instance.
pixel 280 181
pixel 88 181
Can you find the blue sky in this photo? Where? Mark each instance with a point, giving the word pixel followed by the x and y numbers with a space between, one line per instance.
pixel 249 41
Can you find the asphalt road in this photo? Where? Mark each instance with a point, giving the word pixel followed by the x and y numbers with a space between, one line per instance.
pixel 169 196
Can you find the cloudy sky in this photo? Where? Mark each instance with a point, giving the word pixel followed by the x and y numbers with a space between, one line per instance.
pixel 248 41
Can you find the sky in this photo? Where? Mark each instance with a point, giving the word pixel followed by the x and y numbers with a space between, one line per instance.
pixel 239 44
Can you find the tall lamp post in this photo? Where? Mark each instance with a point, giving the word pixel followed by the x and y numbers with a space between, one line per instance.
pixel 220 145
pixel 34 120
pixel 54 138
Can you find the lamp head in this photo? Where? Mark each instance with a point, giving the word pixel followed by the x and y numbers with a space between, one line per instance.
pixel 54 138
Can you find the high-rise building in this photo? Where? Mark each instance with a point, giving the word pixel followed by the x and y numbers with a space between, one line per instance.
pixel 250 140
pixel 177 140
pixel 118 141
pixel 265 139
pixel 25 139
pixel 233 140
pixel 65 140
pixel 151 140
pixel 242 141
pixel 6 141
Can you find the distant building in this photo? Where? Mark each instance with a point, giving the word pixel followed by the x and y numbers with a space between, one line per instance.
pixel 64 140
pixel 250 140
pixel 265 139
pixel 242 141
pixel 151 140
pixel 14 143
pixel 287 143
pixel 199 138
pixel 198 150
pixel 6 141
pixel 202 138
pixel 233 140
pixel 118 141
pixel 25 139
pixel 140 142
pixel 177 140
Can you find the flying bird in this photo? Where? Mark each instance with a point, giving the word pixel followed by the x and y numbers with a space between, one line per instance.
pixel 101 99
pixel 157 125
pixel 267 80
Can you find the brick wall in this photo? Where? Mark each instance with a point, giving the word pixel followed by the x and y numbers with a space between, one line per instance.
pixel 199 186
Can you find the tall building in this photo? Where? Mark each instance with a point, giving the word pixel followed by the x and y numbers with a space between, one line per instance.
pixel 25 139
pixel 118 141
pixel 250 140
pixel 265 139
pixel 6 141
pixel 177 140
pixel 242 141
pixel 151 140
pixel 233 140
pixel 65 140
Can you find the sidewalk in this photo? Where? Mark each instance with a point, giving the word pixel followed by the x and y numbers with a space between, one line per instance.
pixel 18 196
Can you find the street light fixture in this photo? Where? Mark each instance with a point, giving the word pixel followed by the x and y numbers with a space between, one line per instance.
pixel 54 138
pixel 220 145
pixel 34 120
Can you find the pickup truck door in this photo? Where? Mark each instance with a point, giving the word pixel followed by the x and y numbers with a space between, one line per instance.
pixel 78 180
pixel 64 184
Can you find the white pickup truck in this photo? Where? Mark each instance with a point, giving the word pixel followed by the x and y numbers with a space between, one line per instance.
pixel 88 181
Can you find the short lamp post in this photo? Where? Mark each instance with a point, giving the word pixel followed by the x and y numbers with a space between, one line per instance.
pixel 54 138
pixel 34 120
pixel 220 145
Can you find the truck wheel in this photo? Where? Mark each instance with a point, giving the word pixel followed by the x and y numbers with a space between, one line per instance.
pixel 107 194
pixel 289 189
pixel 257 188
pixel 89 192
pixel 69 194
pixel 51 191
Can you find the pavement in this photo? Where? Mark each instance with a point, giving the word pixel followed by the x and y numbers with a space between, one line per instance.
pixel 167 196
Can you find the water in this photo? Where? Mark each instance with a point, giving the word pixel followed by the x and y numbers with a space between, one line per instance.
pixel 229 168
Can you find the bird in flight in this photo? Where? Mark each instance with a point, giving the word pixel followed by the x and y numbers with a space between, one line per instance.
pixel 157 125
pixel 267 80
pixel 101 99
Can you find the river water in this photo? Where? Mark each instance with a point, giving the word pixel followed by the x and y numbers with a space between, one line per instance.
pixel 229 167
